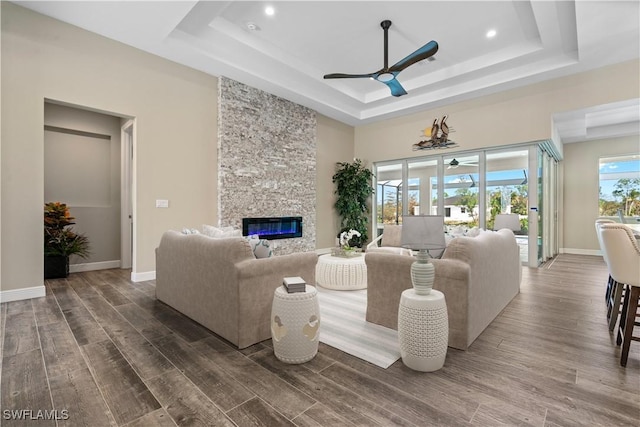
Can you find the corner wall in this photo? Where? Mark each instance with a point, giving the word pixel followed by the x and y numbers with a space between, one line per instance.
pixel 175 111
pixel 581 190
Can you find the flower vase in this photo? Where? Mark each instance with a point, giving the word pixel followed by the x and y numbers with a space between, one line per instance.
pixel 56 267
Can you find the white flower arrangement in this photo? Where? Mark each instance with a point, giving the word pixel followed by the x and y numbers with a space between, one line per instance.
pixel 346 236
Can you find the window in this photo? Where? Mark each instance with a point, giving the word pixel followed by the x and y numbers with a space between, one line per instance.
pixel 447 212
pixel 619 185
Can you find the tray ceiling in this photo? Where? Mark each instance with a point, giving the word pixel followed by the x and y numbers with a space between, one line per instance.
pixel 288 52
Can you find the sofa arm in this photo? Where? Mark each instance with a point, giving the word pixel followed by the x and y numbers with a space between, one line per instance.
pixel 283 265
pixel 452 279
pixel 257 281
pixel 389 274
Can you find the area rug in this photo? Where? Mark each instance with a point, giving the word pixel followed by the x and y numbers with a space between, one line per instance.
pixel 343 326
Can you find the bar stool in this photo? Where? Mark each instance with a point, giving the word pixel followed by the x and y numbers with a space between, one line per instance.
pixel 610 282
pixel 623 253
pixel 614 290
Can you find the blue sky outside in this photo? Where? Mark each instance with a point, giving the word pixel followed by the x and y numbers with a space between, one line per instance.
pixel 612 171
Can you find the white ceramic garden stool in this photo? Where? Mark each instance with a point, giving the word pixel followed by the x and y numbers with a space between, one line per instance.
pixel 295 324
pixel 423 330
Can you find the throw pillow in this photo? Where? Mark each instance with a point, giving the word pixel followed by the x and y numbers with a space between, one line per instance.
pixel 474 232
pixel 219 233
pixel 210 230
pixel 190 231
pixel 261 248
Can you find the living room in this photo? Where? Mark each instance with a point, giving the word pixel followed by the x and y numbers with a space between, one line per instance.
pixel 105 76
pixel 177 118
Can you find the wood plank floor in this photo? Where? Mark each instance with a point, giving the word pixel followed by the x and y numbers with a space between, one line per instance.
pixel 100 350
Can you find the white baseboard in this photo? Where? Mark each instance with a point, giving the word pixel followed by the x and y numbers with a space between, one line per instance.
pixel 91 266
pixel 24 293
pixel 574 251
pixel 144 276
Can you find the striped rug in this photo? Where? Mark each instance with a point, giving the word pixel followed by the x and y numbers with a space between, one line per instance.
pixel 343 326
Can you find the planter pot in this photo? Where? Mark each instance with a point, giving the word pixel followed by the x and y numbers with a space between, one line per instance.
pixel 56 267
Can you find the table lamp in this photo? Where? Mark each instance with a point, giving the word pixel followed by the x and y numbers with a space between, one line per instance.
pixel 510 221
pixel 422 233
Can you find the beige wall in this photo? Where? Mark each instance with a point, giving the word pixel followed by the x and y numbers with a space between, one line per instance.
pixel 335 144
pixel 175 111
pixel 581 189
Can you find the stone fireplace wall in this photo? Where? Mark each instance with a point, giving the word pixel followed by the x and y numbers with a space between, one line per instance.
pixel 266 161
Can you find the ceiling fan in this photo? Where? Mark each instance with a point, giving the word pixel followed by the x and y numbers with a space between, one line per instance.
pixel 387 75
pixel 455 163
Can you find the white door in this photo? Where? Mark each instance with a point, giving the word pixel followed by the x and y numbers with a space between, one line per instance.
pixel 126 194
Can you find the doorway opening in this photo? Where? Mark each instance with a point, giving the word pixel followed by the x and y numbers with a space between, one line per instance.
pixel 88 165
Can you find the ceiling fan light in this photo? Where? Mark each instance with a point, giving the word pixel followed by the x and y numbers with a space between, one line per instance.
pixel 385 77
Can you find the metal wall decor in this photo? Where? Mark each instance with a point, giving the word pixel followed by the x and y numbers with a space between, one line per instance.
pixel 438 136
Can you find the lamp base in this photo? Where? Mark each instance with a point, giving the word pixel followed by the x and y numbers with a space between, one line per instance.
pixel 422 273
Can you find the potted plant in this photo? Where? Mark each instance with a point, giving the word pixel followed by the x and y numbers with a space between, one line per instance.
pixel 60 241
pixel 353 187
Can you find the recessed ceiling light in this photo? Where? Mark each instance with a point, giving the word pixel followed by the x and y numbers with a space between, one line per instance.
pixel 491 34
pixel 269 11
pixel 252 26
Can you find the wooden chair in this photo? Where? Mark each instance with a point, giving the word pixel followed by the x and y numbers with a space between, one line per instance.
pixel 623 254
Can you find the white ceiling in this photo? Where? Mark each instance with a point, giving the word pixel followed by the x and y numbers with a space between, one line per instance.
pixel 292 50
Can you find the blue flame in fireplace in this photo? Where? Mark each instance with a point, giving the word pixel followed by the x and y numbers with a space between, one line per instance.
pixel 272 228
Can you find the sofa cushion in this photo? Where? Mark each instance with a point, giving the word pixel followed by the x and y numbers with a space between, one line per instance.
pixel 218 233
pixel 391 235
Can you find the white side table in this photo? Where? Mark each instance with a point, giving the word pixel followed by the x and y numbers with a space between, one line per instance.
pixel 333 272
pixel 423 330
pixel 295 324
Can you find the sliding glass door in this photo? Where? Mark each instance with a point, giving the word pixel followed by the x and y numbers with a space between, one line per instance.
pixel 389 199
pixel 461 184
pixel 507 192
pixel 471 188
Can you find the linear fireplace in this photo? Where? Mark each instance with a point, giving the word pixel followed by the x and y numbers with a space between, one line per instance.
pixel 271 228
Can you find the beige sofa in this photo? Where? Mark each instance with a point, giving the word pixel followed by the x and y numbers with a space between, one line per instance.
pixel 479 276
pixel 221 285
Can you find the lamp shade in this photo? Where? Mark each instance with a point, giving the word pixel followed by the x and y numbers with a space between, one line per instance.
pixel 509 221
pixel 423 232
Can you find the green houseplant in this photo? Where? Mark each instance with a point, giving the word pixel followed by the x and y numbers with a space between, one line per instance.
pixel 60 241
pixel 353 188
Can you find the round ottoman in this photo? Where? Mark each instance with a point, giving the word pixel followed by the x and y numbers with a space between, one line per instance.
pixel 341 273
pixel 423 330
pixel 295 324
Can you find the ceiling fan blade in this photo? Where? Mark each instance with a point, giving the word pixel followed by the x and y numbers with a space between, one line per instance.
pixel 347 76
pixel 424 52
pixel 396 87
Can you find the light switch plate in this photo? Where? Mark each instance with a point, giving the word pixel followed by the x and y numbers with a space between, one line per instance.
pixel 162 203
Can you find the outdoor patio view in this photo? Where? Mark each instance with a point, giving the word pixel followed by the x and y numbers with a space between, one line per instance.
pixel 505 183
pixel 620 186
